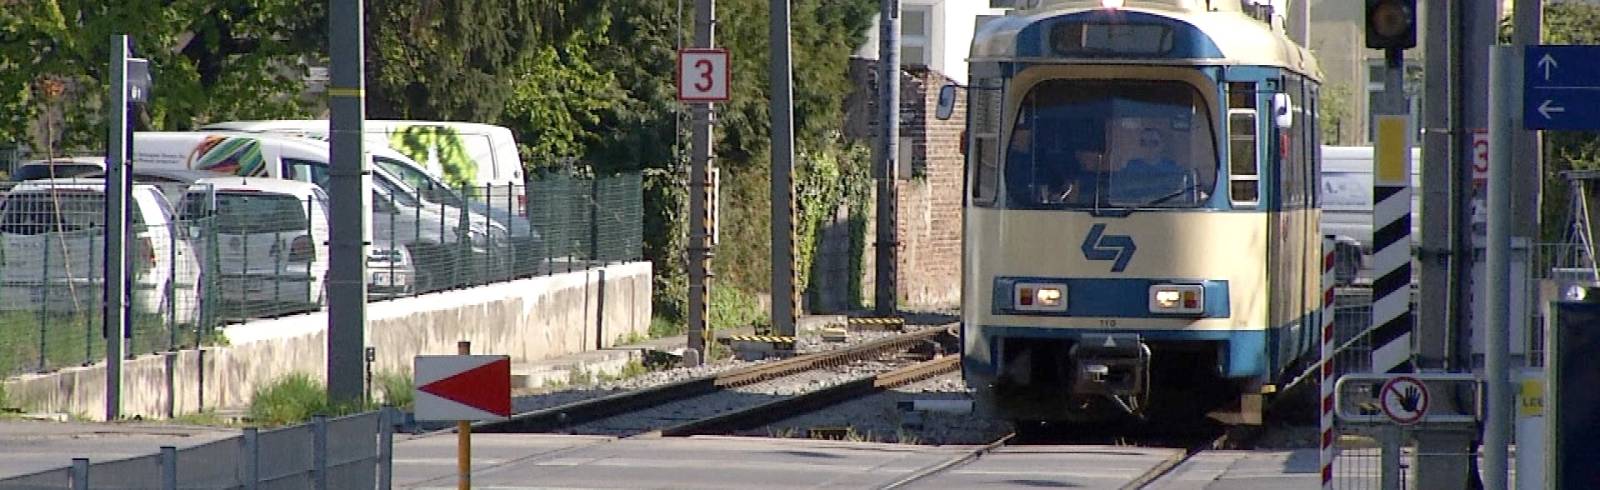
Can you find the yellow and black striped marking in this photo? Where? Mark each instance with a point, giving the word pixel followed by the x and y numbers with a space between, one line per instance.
pixel 878 323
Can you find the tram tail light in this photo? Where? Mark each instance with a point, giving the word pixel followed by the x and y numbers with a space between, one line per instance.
pixel 1033 296
pixel 1177 299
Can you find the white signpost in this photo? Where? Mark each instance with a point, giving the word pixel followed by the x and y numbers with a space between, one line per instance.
pixel 463 388
pixel 703 75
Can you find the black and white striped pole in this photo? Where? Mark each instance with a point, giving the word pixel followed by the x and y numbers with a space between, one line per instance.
pixel 1391 246
pixel 1391 26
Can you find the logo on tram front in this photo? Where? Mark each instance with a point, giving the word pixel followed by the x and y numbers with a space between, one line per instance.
pixel 1100 246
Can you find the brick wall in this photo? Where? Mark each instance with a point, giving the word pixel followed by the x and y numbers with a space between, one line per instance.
pixel 930 202
pixel 929 219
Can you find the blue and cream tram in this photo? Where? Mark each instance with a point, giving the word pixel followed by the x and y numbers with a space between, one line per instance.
pixel 1141 210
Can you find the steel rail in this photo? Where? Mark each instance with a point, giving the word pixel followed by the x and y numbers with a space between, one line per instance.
pixel 776 410
pixel 946 465
pixel 570 414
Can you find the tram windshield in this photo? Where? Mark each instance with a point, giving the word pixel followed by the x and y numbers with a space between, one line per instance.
pixel 1111 144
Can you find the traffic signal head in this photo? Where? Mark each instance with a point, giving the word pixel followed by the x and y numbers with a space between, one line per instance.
pixel 1391 24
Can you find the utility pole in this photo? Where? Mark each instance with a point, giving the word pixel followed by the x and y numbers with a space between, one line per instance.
pixel 1434 324
pixel 699 190
pixel 888 243
pixel 785 300
pixel 1527 18
pixel 116 249
pixel 349 188
pixel 1505 118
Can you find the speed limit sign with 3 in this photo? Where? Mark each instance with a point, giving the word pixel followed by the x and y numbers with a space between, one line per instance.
pixel 703 75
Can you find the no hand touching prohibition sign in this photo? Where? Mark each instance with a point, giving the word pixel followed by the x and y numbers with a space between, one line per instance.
pixel 1404 399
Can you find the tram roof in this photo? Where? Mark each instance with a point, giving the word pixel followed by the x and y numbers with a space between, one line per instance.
pixel 1237 38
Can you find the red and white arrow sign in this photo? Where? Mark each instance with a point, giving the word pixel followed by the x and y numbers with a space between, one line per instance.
pixel 463 387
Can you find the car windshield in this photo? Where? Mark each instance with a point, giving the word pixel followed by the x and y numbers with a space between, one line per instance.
pixel 430 188
pixel 250 212
pixel 32 213
pixel 1111 144
pixel 54 171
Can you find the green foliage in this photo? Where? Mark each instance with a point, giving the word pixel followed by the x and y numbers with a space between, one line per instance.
pixel 288 400
pixel 210 61
pixel 560 96
pixel 442 144
pixel 661 326
pixel 1333 108
pixel 209 418
pixel 732 307
pixel 294 399
pixel 455 60
pixel 396 389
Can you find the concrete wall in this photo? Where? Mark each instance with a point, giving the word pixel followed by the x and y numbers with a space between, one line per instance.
pixel 528 319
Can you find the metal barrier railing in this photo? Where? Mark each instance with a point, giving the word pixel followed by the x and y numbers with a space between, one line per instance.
pixel 355 451
pixel 202 258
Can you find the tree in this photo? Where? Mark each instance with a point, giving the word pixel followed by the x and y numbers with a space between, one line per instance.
pixel 457 59
pixel 209 60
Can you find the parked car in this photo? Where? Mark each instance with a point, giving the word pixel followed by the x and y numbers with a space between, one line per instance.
pixel 389 270
pixel 449 245
pixel 458 165
pixel 270 237
pixel 57 168
pixel 390 258
pixel 52 250
pixel 462 154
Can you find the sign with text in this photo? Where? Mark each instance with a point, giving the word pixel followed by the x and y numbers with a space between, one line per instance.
pixel 458 388
pixel 703 75
pixel 1561 87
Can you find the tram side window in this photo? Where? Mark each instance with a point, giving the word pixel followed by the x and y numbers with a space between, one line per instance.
pixel 1292 177
pixel 1245 179
pixel 984 113
pixel 1314 143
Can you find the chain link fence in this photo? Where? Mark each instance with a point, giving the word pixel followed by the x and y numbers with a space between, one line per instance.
pixel 203 256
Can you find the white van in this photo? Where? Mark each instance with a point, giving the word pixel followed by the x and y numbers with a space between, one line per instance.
pixel 482 157
pixel 1347 193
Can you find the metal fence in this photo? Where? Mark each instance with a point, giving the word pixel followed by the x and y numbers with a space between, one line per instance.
pixel 342 453
pixel 203 256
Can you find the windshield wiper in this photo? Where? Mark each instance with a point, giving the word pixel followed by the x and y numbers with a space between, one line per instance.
pixel 1175 194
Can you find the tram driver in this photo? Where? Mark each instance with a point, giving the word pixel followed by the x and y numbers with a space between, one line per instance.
pixel 1152 177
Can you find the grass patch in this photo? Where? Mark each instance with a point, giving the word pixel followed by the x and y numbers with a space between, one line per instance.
pixel 291 399
pixel 634 368
pixel 395 388
pixel 664 327
pixel 32 341
pixel 208 418
pixel 295 399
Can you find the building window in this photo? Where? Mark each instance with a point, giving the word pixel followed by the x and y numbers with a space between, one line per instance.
pixel 916 35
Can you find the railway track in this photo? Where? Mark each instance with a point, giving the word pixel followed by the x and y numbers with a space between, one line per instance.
pixel 1184 447
pixel 680 408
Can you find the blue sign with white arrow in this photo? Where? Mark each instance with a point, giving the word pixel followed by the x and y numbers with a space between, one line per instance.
pixel 1561 87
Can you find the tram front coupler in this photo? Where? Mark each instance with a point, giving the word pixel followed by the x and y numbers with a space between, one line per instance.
pixel 1114 366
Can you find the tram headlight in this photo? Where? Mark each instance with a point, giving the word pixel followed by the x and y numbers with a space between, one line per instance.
pixel 1177 298
pixel 1111 4
pixel 1035 296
